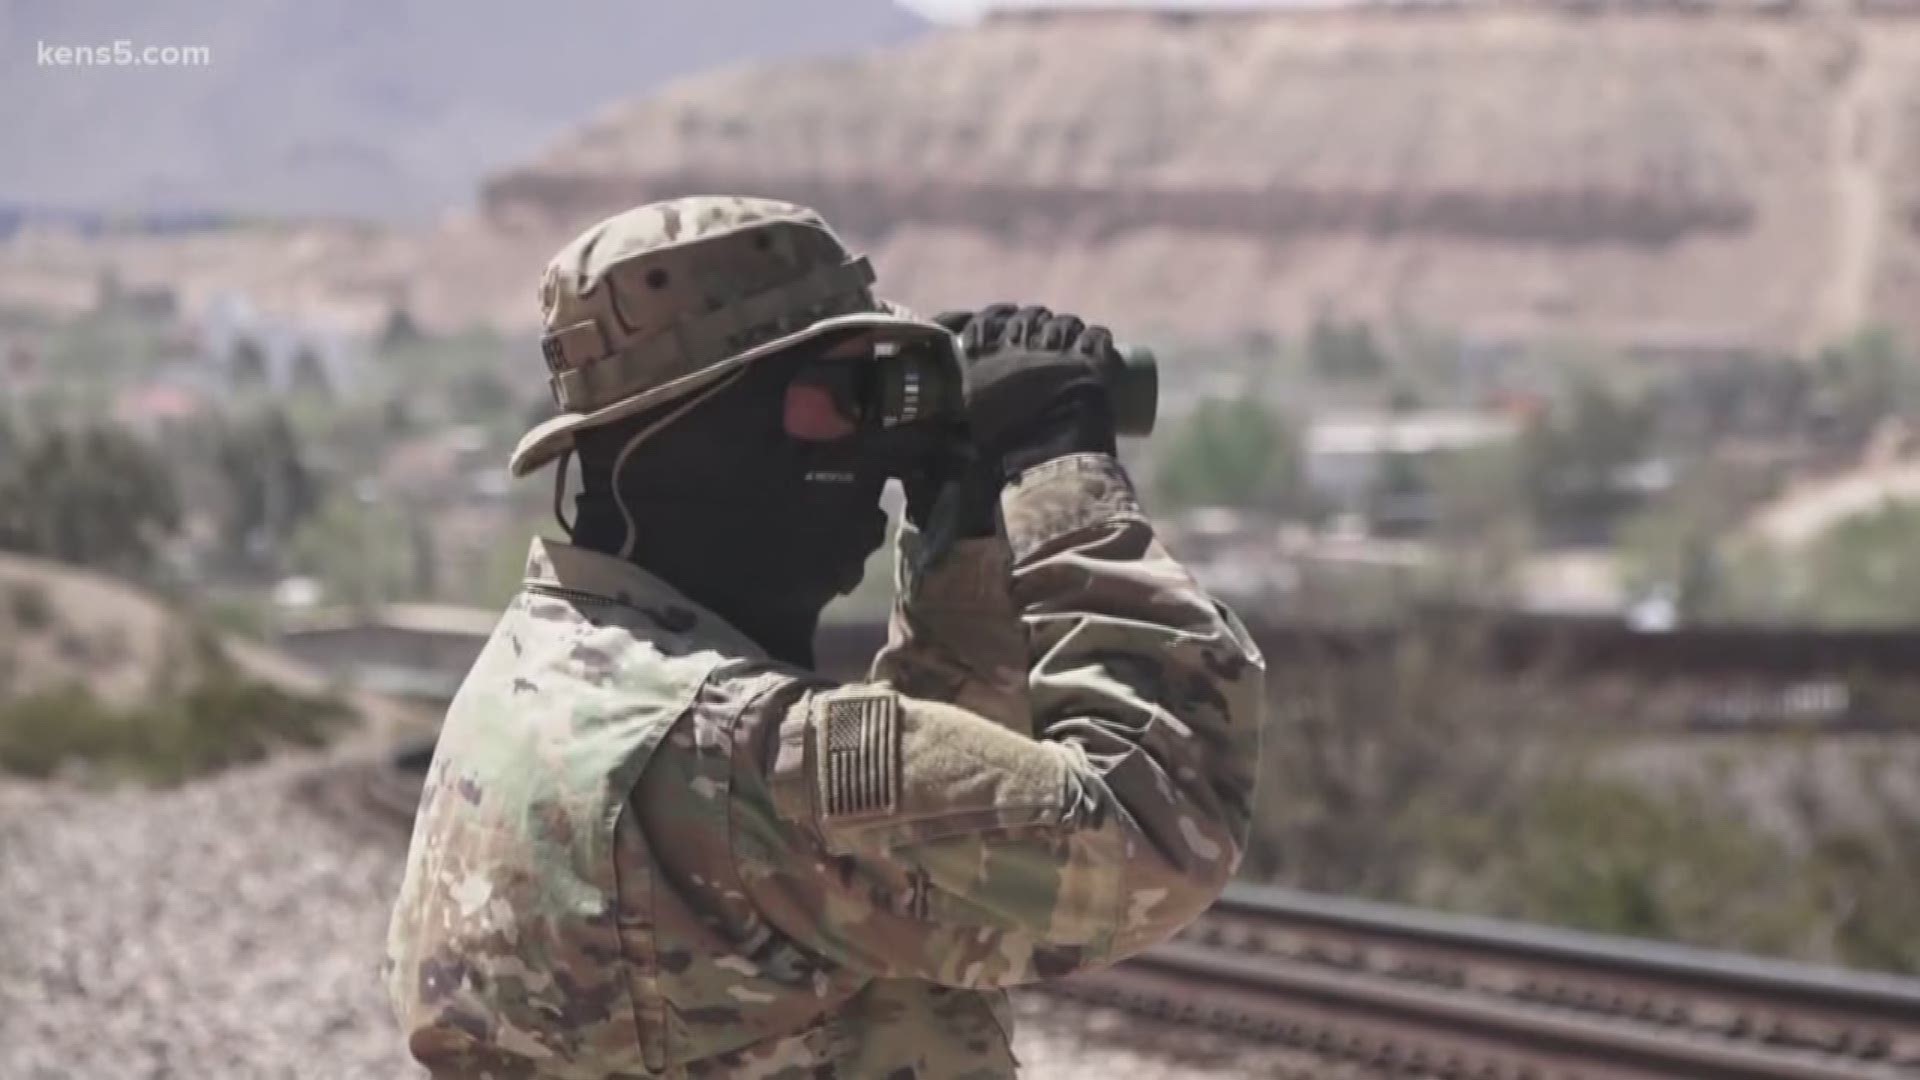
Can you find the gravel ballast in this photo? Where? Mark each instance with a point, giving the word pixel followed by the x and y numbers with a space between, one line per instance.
pixel 224 929
pixel 232 929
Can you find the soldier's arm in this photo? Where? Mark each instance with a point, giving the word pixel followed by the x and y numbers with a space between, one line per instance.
pixel 953 634
pixel 913 838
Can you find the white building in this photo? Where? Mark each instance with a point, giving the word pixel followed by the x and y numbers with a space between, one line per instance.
pixel 235 335
pixel 1347 455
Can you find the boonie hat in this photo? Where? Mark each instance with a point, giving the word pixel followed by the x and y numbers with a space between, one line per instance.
pixel 660 301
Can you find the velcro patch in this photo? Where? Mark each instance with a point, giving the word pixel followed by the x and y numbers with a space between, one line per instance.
pixel 859 755
pixel 571 348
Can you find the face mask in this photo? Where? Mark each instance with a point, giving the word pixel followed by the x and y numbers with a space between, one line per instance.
pixel 724 504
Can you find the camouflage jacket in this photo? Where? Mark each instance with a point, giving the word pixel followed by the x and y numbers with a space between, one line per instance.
pixel 646 849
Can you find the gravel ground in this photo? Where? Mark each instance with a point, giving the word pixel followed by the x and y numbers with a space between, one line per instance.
pixel 232 928
pixel 225 929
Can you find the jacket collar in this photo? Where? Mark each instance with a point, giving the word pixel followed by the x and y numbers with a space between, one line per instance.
pixel 563 567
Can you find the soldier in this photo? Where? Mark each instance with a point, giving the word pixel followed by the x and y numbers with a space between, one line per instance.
pixel 654 843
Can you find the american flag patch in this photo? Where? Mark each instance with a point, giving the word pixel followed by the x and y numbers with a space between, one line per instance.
pixel 859 751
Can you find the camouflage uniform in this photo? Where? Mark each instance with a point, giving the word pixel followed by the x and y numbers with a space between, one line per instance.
pixel 647 849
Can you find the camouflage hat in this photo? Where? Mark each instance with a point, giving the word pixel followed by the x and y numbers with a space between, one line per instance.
pixel 657 302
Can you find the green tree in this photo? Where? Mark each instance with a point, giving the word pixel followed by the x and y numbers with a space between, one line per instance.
pixel 1865 379
pixel 1405 398
pixel 400 330
pixel 247 363
pixel 1343 351
pixel 92 496
pixel 310 374
pixel 1234 453
pixel 269 489
pixel 363 552
pixel 1576 460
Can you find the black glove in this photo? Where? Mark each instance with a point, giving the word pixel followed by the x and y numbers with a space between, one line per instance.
pixel 1034 393
pixel 1034 386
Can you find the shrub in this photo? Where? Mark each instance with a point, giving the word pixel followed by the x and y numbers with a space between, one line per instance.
pixel 221 721
pixel 1235 453
pixel 28 606
pixel 89 496
pixel 1616 857
pixel 45 731
pixel 1421 776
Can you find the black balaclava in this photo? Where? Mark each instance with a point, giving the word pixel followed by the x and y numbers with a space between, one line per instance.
pixel 761 529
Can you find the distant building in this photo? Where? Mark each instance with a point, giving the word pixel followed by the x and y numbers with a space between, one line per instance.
pixel 244 347
pixel 1348 457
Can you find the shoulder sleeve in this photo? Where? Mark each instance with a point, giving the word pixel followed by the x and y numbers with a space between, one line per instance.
pixel 916 838
pixel 953 634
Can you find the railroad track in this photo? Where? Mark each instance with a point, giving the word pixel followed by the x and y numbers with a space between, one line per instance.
pixel 1393 991
pixel 1380 990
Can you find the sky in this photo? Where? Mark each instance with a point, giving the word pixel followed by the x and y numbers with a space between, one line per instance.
pixel 963 10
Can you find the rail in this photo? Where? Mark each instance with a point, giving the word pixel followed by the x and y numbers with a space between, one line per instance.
pixel 1403 991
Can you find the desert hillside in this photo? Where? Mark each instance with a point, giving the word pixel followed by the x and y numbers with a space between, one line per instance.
pixel 1677 180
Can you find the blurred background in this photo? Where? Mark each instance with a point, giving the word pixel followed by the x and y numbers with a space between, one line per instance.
pixel 1539 381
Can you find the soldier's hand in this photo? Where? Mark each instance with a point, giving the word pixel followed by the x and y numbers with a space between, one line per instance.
pixel 1034 393
pixel 1034 385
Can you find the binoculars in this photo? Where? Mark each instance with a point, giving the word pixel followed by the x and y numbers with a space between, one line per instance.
pixel 915 385
pixel 1133 378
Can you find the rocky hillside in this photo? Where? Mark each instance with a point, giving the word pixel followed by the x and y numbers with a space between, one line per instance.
pixel 1672 179
pixel 1678 179
pixel 100 677
pixel 355 107
pixel 61 626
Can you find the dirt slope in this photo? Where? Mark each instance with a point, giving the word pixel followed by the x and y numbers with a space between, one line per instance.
pixel 61 625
